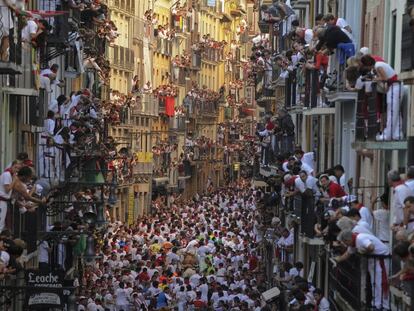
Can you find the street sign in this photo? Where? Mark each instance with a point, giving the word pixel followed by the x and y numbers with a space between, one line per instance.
pixel 46 289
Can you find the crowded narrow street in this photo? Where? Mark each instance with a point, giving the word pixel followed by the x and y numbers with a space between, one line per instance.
pixel 196 155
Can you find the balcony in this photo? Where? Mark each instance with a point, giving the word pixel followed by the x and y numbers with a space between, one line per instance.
pixel 236 10
pixel 128 6
pixel 164 46
pixel 210 6
pixel 139 28
pixel 374 116
pixel 212 55
pixel 16 71
pixel 181 24
pixel 146 105
pixel 348 285
pixel 161 105
pixel 184 170
pixel 181 75
pixel 9 61
pixel 122 58
pixel 205 108
pixel 177 123
pixel 196 61
pixel 143 164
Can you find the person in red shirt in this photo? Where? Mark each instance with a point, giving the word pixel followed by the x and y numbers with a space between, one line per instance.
pixel 253 261
pixel 332 189
pixel 144 276
pixel 198 302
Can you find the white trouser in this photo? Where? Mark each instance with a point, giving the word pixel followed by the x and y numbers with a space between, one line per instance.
pixel 3 214
pixel 181 305
pixel 393 127
pixel 379 300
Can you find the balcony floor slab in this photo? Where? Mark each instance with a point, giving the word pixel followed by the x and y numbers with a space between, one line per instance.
pixel 380 145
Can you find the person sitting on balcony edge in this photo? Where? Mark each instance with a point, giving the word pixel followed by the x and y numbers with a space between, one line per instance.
pixel 369 244
pixel 341 23
pixel 387 78
pixel 330 38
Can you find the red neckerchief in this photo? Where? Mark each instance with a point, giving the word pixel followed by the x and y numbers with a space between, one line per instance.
pixel 384 279
pixel 354 237
pixel 9 170
pixel 359 206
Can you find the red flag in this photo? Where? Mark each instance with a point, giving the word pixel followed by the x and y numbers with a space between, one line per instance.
pixel 169 106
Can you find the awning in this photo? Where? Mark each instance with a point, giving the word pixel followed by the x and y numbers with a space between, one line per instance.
pixel 259 183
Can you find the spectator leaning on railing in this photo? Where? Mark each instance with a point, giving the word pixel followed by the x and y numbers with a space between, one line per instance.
pixel 378 263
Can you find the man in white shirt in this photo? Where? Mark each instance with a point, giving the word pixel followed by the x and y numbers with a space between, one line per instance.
pixel 410 178
pixel 305 182
pixel 401 192
pixel 361 225
pixel 44 251
pixel 365 212
pixel 409 214
pixel 382 217
pixel 305 157
pixel 29 31
pixel 378 267
pixel 82 303
pixel 6 189
pixel 322 303
pixel 341 23
pixel 285 243
pixel 121 295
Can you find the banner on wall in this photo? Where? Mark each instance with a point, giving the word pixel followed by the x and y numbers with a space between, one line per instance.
pixel 169 106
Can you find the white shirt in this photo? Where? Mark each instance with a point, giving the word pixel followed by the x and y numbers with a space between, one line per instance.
pixel 366 216
pixel 310 183
pixel 382 216
pixel 389 71
pixel 323 305
pixel 401 192
pixel 5 179
pixel 364 240
pixel 203 288
pixel 308 36
pixel 340 22
pixel 362 227
pixel 285 241
pixel 43 252
pixel 108 302
pixel 29 30
pixel 121 297
pixel 410 184
pixel 294 272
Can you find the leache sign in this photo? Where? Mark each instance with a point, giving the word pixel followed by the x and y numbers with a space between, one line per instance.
pixel 46 289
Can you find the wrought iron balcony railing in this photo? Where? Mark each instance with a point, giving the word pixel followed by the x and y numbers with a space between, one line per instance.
pixel 382 116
